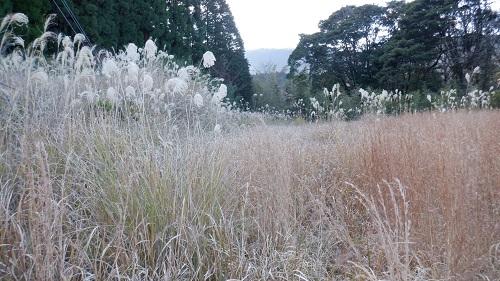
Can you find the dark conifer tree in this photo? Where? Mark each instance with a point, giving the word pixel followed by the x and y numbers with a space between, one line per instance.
pixel 97 19
pixel 36 10
pixel 5 8
pixel 150 20
pixel 108 24
pixel 223 39
pixel 183 29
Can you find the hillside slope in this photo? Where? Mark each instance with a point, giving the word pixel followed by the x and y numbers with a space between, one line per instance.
pixel 260 57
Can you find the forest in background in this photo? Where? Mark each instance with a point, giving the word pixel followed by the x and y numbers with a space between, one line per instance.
pixel 185 29
pixel 417 48
pixel 411 50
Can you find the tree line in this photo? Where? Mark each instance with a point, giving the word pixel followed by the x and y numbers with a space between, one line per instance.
pixel 183 28
pixel 417 47
pixel 422 46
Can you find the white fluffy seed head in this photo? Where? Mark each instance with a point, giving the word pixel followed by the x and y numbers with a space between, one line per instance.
pixel 41 42
pixel 364 93
pixel 183 74
pixel 208 59
pixel 176 86
pixel 85 60
pixel 384 95
pixel 132 53
pixel 147 82
pixel 66 42
pixel 186 73
pixel 69 53
pixel 89 96
pixel 109 68
pixel 150 49
pixel 112 95
pixel 18 41
pixel 49 20
pixel 5 21
pixel 198 100
pixel 40 77
pixel 220 95
pixel 217 128
pixel 78 39
pixel 130 93
pixel 133 71
pixel 314 103
pixel 19 19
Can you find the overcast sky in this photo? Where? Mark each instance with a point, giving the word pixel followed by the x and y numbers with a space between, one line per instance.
pixel 278 23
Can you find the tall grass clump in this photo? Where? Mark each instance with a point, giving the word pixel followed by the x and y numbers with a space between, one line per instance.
pixel 444 170
pixel 111 164
pixel 412 197
pixel 133 83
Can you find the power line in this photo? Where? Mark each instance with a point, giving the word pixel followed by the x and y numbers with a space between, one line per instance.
pixel 64 16
pixel 75 20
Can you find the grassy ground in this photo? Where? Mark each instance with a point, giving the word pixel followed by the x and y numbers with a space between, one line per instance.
pixel 413 197
pixel 136 168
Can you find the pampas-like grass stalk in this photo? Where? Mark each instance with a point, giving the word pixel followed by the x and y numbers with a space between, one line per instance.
pixel 8 37
pixel 389 252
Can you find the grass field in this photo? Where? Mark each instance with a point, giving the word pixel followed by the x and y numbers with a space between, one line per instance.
pixel 414 197
pixel 127 166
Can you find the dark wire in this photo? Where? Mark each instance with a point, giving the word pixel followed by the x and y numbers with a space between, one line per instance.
pixel 64 16
pixel 75 20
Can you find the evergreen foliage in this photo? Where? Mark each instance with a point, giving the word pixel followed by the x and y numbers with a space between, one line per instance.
pixel 36 10
pixel 223 39
pixel 6 7
pixel 342 52
pixel 411 48
pixel 473 42
pixel 409 59
pixel 183 28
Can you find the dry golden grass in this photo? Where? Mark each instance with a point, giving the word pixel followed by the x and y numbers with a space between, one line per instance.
pixel 428 187
pixel 409 197
pixel 450 166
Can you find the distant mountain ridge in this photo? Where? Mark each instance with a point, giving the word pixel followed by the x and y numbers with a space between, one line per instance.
pixel 260 57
